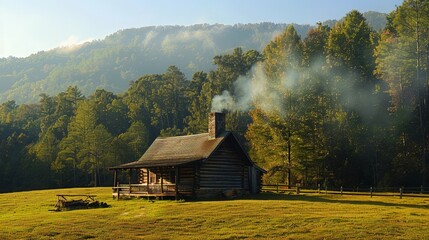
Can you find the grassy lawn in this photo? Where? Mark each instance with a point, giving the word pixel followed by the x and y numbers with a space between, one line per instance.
pixel 26 215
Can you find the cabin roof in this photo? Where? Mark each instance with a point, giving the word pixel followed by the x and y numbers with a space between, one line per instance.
pixel 173 151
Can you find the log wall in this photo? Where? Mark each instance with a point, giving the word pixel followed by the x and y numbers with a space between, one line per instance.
pixel 143 175
pixel 225 169
pixel 187 178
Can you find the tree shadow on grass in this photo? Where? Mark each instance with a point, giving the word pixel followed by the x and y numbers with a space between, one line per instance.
pixel 327 199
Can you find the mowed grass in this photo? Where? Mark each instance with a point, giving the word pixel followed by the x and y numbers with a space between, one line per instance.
pixel 26 215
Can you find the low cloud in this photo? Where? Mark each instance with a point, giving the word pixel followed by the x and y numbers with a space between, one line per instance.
pixel 71 44
pixel 204 38
pixel 148 38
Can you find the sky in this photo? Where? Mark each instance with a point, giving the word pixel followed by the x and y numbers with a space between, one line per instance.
pixel 30 26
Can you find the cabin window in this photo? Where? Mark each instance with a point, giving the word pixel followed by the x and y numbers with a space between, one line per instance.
pixel 153 178
pixel 172 176
pixel 169 176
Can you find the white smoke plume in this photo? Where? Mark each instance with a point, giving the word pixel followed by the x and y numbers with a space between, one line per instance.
pixel 223 102
pixel 255 90
pixel 247 90
pixel 251 90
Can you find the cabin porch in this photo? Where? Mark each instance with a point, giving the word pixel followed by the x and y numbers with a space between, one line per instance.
pixel 149 182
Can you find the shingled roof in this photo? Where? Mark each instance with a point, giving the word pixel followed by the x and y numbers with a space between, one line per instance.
pixel 173 151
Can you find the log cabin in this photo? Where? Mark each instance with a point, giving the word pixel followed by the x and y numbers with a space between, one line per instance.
pixel 206 165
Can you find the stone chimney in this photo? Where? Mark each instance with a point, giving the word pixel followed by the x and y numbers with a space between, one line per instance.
pixel 216 124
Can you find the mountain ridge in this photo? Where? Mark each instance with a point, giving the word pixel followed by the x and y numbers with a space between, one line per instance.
pixel 123 56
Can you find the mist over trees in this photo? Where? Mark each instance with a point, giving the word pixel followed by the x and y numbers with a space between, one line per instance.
pixel 126 55
pixel 341 105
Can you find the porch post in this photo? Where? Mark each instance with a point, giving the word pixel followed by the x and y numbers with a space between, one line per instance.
pixel 119 191
pixel 196 179
pixel 147 178
pixel 176 187
pixel 162 179
pixel 115 178
pixel 115 181
pixel 129 180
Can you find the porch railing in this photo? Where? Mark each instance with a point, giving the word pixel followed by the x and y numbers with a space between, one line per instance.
pixel 144 188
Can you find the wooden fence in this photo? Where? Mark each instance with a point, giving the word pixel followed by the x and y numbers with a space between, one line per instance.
pixel 363 191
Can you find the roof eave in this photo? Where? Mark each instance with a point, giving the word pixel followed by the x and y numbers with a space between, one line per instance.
pixel 137 165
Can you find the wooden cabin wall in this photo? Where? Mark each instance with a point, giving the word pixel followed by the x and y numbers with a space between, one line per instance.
pixel 167 173
pixel 187 178
pixel 143 175
pixel 259 182
pixel 256 178
pixel 225 169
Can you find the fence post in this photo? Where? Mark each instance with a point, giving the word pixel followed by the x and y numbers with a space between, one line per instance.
pixel 400 192
pixel 341 189
pixel 326 189
pixel 297 188
pixel 318 188
pixel 370 191
pixel 421 189
pixel 277 187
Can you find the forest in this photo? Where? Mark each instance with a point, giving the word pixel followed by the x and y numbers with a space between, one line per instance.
pixel 346 105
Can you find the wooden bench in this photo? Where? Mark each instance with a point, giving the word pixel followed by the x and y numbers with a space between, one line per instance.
pixel 62 197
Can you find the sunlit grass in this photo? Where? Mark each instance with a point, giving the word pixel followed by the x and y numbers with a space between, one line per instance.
pixel 26 215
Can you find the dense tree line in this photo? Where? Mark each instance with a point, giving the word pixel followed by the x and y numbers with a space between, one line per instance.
pixel 345 105
pixel 71 140
pixel 351 104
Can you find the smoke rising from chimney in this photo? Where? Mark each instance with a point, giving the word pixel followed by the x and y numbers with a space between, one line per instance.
pixel 256 90
pixel 250 90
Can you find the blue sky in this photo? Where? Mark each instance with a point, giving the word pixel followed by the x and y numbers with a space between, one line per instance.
pixel 27 27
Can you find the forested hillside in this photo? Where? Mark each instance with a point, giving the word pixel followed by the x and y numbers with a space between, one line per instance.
pixel 113 62
pixel 343 106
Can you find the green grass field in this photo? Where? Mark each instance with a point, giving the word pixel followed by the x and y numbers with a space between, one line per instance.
pixel 26 215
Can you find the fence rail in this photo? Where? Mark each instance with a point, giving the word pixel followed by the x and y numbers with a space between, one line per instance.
pixel 368 191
